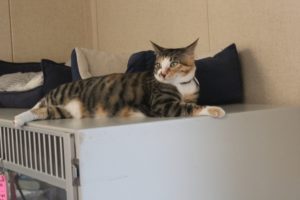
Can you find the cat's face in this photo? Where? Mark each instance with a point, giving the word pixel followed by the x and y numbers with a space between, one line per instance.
pixel 174 65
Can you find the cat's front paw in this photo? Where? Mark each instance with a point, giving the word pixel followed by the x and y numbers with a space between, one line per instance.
pixel 215 111
pixel 18 122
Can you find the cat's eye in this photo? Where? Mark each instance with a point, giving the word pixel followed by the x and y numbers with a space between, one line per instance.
pixel 157 65
pixel 173 64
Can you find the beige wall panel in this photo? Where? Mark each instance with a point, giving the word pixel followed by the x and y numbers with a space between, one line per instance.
pixel 127 26
pixel 267 35
pixel 49 29
pixel 5 39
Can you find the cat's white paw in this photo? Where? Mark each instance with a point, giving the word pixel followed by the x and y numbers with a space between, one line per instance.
pixel 23 118
pixel 137 115
pixel 215 111
pixel 18 122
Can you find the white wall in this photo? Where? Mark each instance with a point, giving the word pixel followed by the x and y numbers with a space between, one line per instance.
pixel 35 29
pixel 265 31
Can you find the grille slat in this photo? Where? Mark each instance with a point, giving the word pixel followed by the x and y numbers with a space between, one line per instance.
pixel 25 148
pixel 39 152
pixel 44 154
pixel 61 157
pixel 9 145
pixel 22 148
pixel 34 151
pixel 12 133
pixel 50 154
pixel 30 152
pixel 55 157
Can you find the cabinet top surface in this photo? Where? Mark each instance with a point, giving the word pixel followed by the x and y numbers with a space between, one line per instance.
pixel 73 125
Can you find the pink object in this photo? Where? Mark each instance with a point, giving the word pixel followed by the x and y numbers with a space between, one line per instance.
pixel 3 187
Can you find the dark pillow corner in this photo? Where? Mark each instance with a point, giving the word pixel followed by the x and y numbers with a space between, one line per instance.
pixel 55 74
pixel 74 66
pixel 141 61
pixel 7 67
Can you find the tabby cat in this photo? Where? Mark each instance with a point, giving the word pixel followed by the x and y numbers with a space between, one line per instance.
pixel 170 90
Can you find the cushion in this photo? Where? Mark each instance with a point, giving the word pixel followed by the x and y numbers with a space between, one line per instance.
pixel 86 63
pixel 219 76
pixel 21 81
pixel 24 99
pixel 55 74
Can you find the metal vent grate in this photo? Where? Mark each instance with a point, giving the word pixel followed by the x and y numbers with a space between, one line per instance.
pixel 41 153
pixel 37 151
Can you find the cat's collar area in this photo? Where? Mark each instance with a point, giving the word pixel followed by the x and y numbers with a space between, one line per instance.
pixel 188 82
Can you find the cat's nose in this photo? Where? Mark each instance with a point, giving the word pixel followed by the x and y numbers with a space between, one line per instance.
pixel 163 74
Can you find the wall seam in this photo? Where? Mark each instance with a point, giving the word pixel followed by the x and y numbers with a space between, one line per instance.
pixel 10 31
pixel 208 25
pixel 85 18
pixel 96 24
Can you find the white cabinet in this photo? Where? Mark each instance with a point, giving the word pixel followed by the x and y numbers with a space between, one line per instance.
pixel 251 154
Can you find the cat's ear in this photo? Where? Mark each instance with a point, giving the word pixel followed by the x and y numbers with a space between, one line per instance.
pixel 157 48
pixel 190 49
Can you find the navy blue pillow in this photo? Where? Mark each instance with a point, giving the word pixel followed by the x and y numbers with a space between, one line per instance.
pixel 75 70
pixel 219 76
pixel 141 61
pixel 24 99
pixel 55 74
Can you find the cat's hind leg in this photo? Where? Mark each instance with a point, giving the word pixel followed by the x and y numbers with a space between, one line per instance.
pixel 131 113
pixel 213 111
pixel 40 113
pixel 174 109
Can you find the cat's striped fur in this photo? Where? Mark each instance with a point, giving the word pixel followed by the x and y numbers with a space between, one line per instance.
pixel 169 91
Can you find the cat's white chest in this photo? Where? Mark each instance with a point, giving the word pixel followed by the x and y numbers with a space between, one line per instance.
pixel 188 88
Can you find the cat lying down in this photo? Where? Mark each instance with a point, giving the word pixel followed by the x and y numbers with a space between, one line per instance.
pixel 171 90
